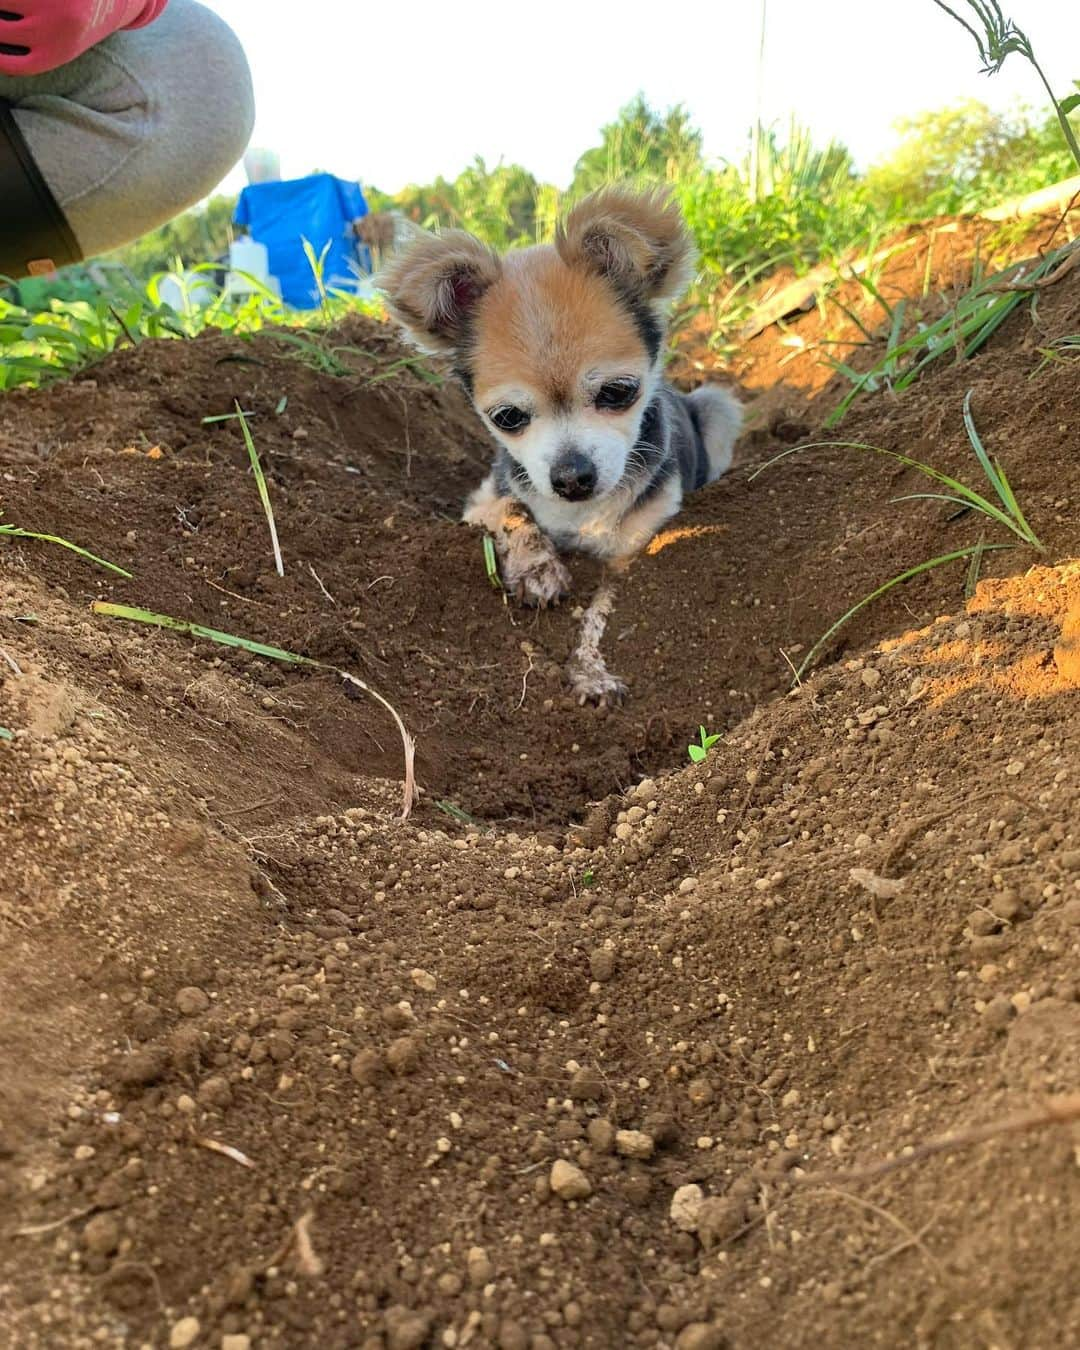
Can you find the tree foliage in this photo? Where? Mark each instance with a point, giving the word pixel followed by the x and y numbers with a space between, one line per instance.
pixel 968 155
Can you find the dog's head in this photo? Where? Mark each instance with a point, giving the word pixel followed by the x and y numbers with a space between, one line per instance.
pixel 558 346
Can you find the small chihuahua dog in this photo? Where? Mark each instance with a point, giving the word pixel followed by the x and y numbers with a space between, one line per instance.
pixel 559 347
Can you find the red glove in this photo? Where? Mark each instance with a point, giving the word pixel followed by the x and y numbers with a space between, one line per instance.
pixel 39 35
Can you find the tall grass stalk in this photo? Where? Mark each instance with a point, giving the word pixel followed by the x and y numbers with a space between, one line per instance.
pixel 997 38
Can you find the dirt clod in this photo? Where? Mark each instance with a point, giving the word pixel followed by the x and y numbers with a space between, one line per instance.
pixel 634 1144
pixel 406 1328
pixel 568 1181
pixel 184 1333
pixel 686 1206
pixel 191 1001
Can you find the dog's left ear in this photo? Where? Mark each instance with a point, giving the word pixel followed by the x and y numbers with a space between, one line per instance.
pixel 433 285
pixel 637 240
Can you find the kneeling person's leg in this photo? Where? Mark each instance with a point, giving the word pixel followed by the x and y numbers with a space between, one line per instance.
pixel 139 128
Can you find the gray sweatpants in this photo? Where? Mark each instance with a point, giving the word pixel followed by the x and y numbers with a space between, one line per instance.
pixel 140 127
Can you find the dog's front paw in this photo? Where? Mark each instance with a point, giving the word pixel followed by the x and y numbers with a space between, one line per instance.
pixel 537 581
pixel 590 684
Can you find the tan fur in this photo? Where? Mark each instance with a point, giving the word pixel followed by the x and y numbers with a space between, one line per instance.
pixel 636 239
pixel 433 285
pixel 541 324
pixel 588 675
pixel 541 330
pixel 528 564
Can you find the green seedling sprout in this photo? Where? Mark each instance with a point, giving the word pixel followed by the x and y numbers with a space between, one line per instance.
pixel 701 747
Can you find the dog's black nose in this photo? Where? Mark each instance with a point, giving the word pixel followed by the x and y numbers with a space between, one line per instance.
pixel 573 477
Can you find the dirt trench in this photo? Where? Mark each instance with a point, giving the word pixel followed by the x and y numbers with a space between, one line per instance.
pixel 278 1067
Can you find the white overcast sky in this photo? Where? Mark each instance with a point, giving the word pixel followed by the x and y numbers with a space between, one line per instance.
pixel 397 91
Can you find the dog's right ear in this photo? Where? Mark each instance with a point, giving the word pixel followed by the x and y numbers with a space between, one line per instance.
pixel 433 285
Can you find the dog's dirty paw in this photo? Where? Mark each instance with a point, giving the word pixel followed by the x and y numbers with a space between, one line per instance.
pixel 545 581
pixel 599 687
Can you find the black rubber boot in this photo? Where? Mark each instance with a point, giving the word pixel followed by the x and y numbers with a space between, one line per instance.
pixel 35 238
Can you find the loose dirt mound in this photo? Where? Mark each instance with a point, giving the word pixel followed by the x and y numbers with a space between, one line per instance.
pixel 613 1063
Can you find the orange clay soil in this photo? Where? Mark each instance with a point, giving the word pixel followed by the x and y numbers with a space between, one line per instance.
pixel 604 1061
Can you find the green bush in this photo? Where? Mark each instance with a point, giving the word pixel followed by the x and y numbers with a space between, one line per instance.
pixel 967 157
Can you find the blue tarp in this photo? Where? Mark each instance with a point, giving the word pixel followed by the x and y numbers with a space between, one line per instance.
pixel 320 209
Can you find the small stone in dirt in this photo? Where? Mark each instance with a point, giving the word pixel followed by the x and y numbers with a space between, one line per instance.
pixel 403 1055
pixel 982 923
pixel 634 1144
pixel 512 1336
pixel 191 1001
pixel 700 1335
pixel 687 885
pixel 423 979
pixel 1070 913
pixel 238 1341
pixel 184 1333
pixel 367 1066
pixel 602 964
pixel 685 1206
pixel 569 1182
pixel 1007 905
pixel 586 1086
pixel 102 1234
pixel 881 888
pixel 719 1219
pixel 479 1266
pixel 601 1135
pixel 998 1013
pixel 215 1092
pixel 700 1091
pixel 406 1328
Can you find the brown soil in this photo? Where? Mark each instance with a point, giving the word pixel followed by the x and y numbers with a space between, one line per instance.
pixel 855 928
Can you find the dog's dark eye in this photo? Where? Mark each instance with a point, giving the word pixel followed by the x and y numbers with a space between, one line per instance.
pixel 617 395
pixel 510 419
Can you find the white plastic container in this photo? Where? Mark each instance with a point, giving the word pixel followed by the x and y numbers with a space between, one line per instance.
pixel 249 259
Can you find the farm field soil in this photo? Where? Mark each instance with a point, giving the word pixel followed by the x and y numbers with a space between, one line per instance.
pixel 601 1048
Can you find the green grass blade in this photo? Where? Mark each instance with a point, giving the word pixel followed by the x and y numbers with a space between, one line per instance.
pixel 939 561
pixel 894 337
pixel 868 285
pixel 974 568
pixel 966 494
pixel 16 532
pixel 491 566
pixel 993 470
pixel 1014 507
pixel 980 450
pixel 264 495
pixel 198 630
pixel 934 497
